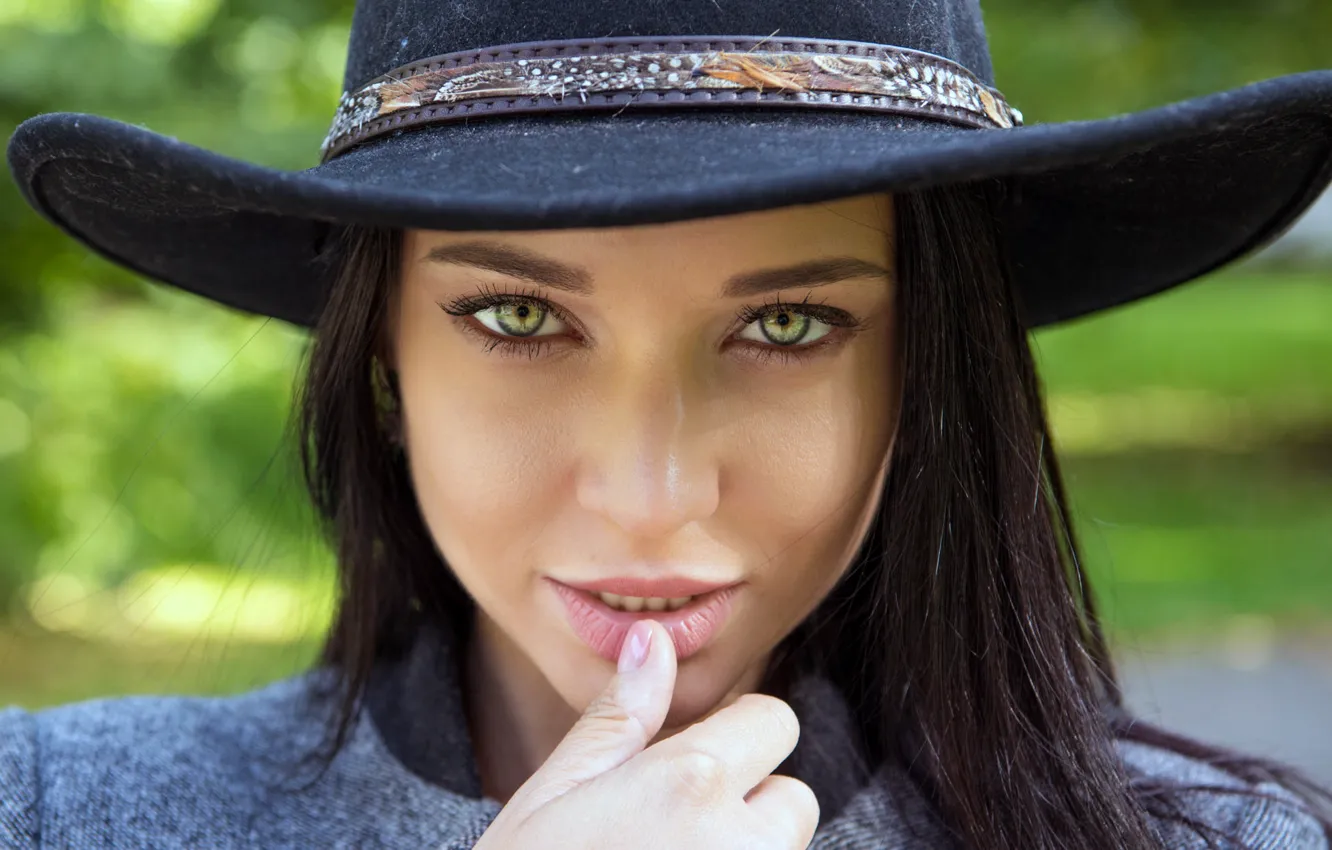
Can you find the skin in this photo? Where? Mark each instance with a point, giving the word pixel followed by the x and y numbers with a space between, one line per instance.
pixel 649 437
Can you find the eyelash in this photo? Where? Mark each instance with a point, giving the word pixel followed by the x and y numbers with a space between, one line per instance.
pixel 843 323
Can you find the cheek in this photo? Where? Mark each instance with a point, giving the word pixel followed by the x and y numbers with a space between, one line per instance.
pixel 809 483
pixel 481 466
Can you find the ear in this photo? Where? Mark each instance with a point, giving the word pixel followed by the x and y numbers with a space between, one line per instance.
pixel 387 400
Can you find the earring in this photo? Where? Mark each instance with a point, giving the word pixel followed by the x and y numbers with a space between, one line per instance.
pixel 388 404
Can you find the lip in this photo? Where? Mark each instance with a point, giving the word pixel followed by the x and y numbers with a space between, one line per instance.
pixel 604 628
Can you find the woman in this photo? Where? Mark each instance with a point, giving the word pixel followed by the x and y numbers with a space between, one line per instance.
pixel 678 435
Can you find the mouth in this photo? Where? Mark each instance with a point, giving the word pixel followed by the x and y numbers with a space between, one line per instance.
pixel 602 619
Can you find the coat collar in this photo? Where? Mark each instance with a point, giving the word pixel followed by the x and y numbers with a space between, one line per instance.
pixel 416 704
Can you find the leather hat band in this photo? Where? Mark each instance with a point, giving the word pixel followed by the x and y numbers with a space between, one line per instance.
pixel 692 72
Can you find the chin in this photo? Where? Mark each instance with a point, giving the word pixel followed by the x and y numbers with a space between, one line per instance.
pixel 702 683
pixel 699 691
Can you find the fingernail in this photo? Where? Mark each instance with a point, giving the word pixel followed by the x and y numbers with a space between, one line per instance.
pixel 635 649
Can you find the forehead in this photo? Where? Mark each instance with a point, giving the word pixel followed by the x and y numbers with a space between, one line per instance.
pixel 859 226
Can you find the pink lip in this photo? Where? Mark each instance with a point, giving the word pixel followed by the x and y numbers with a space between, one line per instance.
pixel 604 628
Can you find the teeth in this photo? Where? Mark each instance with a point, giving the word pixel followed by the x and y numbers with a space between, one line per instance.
pixel 638 603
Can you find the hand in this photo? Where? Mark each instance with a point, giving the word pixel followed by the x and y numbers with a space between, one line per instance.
pixel 709 787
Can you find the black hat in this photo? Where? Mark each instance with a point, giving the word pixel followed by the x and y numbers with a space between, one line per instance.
pixel 531 114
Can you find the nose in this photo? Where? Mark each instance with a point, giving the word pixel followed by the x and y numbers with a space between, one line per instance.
pixel 646 464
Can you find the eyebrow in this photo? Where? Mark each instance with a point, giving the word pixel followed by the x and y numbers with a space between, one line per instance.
pixel 534 268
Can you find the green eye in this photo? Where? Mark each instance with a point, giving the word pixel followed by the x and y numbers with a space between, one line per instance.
pixel 786 327
pixel 515 318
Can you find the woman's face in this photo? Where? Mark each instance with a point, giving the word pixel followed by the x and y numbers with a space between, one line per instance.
pixel 711 400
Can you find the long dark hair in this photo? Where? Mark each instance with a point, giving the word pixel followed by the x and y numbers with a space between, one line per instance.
pixel 964 634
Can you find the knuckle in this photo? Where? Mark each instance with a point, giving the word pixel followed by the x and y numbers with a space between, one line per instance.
pixel 605 707
pixel 796 810
pixel 605 717
pixel 777 712
pixel 698 776
pixel 765 837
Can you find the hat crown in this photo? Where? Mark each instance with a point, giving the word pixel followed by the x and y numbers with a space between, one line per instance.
pixel 387 34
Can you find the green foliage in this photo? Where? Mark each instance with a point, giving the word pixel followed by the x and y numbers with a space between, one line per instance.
pixel 45 668
pixel 1262 338
pixel 1067 60
pixel 140 432
pixel 254 80
pixel 1186 541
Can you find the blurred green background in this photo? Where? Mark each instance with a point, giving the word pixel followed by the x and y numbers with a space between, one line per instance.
pixel 153 533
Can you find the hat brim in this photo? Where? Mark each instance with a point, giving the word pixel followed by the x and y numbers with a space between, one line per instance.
pixel 1102 212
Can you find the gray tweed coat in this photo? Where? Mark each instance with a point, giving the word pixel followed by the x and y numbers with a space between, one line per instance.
pixel 191 772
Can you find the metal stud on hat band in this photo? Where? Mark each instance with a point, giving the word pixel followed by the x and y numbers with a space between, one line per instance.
pixel 691 72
